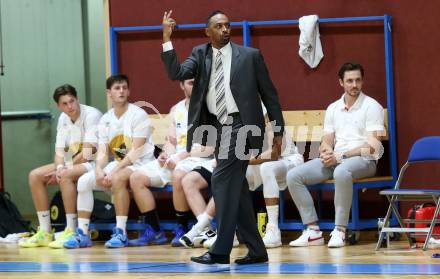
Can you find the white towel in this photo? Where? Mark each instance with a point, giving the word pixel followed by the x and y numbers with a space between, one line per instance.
pixel 310 48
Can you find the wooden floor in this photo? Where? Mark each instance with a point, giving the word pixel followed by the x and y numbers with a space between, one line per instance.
pixel 363 253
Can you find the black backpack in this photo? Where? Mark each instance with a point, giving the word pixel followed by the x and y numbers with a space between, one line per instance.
pixel 103 212
pixel 11 220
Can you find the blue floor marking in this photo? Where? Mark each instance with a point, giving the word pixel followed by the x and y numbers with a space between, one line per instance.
pixel 328 268
pixel 183 267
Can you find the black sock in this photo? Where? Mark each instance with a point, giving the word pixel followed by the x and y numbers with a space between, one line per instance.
pixel 182 218
pixel 151 218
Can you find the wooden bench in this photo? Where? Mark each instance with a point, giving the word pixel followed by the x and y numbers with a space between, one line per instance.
pixel 306 127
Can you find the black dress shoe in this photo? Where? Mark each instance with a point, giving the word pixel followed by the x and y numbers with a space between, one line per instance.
pixel 248 259
pixel 209 258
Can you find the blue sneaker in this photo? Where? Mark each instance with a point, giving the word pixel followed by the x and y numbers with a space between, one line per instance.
pixel 149 237
pixel 119 239
pixel 78 240
pixel 179 231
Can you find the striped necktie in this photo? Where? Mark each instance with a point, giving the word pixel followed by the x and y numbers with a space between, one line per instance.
pixel 220 99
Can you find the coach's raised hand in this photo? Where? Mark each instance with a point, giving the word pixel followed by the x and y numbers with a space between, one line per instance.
pixel 168 25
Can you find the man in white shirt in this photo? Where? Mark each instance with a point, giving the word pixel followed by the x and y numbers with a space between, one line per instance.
pixel 124 143
pixel 159 172
pixel 350 148
pixel 75 140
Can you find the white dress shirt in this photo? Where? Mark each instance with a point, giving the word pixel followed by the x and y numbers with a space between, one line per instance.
pixel 226 55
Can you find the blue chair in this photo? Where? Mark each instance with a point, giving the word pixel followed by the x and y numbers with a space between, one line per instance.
pixel 426 149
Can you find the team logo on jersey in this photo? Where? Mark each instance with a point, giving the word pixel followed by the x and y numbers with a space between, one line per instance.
pixel 119 146
pixel 74 148
pixel 181 140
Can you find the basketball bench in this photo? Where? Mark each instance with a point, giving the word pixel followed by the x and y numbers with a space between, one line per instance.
pixel 306 127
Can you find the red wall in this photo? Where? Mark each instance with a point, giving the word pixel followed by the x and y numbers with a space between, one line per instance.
pixel 415 53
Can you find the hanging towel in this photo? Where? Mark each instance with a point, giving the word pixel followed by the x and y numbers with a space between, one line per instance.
pixel 310 48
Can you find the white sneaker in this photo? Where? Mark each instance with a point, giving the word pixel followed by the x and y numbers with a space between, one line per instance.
pixel 15 237
pixel 204 236
pixel 308 237
pixel 272 238
pixel 337 239
pixel 187 239
pixel 433 243
pixel 209 242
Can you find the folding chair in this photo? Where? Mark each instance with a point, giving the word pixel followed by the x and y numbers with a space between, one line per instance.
pixel 425 149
